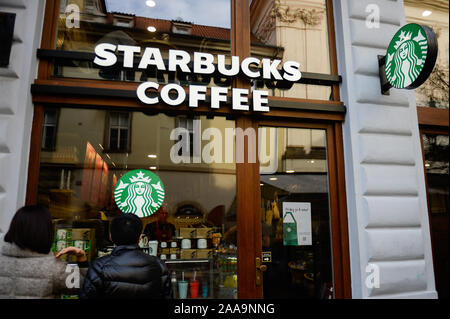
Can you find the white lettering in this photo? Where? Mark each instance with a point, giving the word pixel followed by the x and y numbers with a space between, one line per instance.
pixel 105 55
pixel 291 71
pixel 260 101
pixel 245 67
pixel 179 58
pixel 238 99
pixel 142 95
pixel 152 56
pixel 196 93
pixel 128 54
pixel 203 63
pixel 218 94
pixel 234 70
pixel 181 94
pixel 270 69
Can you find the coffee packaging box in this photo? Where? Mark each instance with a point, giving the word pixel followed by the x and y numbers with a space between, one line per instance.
pixel 204 253
pixel 188 254
pixel 188 232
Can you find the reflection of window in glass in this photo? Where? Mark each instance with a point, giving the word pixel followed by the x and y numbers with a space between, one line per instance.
pixel 192 125
pixel 119 132
pixel 49 130
pixel 436 149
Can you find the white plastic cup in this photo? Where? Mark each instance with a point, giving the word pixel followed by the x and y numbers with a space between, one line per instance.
pixel 153 247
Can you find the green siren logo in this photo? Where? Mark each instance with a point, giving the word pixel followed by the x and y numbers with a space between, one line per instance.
pixel 139 192
pixel 406 56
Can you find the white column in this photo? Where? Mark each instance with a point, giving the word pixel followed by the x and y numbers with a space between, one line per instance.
pixel 386 196
pixel 16 109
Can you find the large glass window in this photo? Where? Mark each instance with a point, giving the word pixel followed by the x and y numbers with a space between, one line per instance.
pixel 434 92
pixel 176 24
pixel 78 177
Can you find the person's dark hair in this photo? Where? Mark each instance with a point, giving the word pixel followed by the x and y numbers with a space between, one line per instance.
pixel 31 228
pixel 126 229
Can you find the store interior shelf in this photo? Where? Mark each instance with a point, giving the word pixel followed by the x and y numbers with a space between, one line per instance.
pixel 187 261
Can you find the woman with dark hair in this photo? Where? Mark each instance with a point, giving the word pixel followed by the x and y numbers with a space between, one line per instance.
pixel 28 268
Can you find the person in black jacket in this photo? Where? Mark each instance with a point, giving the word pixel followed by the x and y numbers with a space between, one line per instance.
pixel 127 272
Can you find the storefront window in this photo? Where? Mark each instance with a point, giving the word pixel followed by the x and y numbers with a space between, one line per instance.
pixel 177 24
pixel 297 31
pixel 436 149
pixel 295 213
pixel 194 231
pixel 434 92
pixel 436 166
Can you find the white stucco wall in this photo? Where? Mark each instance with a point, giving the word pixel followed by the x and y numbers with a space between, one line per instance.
pixel 386 196
pixel 16 109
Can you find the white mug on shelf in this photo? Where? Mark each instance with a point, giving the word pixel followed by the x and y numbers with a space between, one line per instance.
pixel 186 243
pixel 202 243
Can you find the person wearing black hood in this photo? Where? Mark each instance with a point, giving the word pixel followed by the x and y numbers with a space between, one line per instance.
pixel 127 272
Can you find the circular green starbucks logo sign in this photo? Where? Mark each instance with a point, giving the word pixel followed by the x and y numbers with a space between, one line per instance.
pixel 139 192
pixel 410 56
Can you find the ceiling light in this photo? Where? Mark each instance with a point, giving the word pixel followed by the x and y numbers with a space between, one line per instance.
pixel 427 165
pixel 153 167
pixel 273 178
pixel 152 156
pixel 261 184
pixel 290 171
pixel 426 13
pixel 151 29
pixel 150 3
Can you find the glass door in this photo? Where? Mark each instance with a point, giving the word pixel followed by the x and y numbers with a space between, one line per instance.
pixel 296 260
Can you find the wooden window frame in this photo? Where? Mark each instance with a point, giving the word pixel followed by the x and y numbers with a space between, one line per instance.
pixel 329 114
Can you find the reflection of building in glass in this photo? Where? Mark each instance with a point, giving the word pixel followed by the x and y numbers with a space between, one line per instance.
pixel 300 28
pixel 98 25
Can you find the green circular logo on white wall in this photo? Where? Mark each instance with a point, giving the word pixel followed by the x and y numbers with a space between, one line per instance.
pixel 139 192
pixel 411 56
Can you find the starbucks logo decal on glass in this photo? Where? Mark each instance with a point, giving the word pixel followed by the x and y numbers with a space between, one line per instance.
pixel 139 192
pixel 409 56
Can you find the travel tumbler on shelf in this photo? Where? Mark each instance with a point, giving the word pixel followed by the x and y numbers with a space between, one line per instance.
pixel 205 289
pixel 193 285
pixel 183 287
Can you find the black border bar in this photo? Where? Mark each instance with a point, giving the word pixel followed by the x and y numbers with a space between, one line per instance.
pixel 131 94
